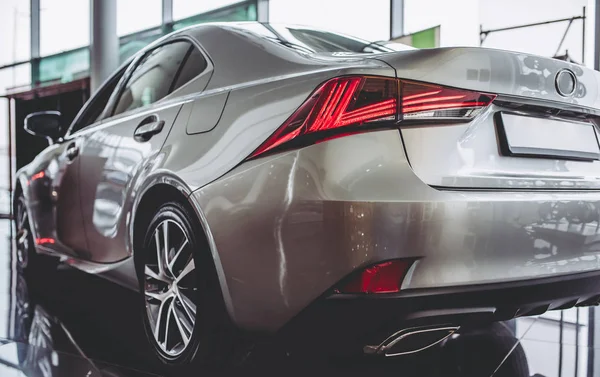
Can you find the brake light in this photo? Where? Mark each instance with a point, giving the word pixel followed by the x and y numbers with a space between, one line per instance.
pixel 42 241
pixel 336 106
pixel 352 104
pixel 384 277
pixel 427 101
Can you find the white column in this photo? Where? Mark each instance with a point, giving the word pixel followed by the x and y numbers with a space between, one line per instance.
pixel 104 43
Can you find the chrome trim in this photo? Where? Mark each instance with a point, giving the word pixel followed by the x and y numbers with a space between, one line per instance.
pixel 557 84
pixel 397 337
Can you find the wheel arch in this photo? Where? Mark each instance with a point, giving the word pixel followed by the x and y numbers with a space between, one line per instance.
pixel 148 203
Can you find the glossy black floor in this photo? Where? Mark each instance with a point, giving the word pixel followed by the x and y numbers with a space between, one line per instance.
pixel 67 323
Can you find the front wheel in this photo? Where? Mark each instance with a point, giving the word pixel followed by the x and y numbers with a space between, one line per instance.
pixel 24 241
pixel 183 310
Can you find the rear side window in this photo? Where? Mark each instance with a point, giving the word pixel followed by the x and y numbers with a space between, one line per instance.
pixel 152 78
pixel 194 65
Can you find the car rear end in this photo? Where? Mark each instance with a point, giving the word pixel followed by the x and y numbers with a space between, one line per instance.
pixel 465 187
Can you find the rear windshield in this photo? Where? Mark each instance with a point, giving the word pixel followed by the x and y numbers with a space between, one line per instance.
pixel 312 40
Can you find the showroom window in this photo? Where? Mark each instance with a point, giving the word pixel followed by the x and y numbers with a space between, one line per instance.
pixel 128 15
pixel 352 17
pixel 10 78
pixel 59 30
pixel 187 8
pixel 14 31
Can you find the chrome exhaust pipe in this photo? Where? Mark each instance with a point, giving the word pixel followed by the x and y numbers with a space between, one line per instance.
pixel 412 340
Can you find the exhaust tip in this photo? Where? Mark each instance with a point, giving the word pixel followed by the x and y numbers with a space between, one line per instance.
pixel 411 340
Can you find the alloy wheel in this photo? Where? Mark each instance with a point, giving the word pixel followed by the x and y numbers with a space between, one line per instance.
pixel 170 287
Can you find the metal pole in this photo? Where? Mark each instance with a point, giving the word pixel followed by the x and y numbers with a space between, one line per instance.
pixel 104 46
pixel 560 344
pixel 167 15
pixel 591 341
pixel 396 18
pixel 34 44
pixel 262 10
pixel 583 37
pixel 10 167
pixel 597 37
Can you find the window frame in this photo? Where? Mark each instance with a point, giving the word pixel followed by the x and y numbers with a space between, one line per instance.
pixel 124 73
pixel 93 101
pixel 109 113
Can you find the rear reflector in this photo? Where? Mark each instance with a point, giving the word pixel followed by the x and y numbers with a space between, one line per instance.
pixel 427 101
pixel 384 277
pixel 353 104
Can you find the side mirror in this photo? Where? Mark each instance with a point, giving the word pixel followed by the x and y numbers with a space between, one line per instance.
pixel 44 124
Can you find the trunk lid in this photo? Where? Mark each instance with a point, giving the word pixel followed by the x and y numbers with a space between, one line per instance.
pixel 532 136
pixel 495 71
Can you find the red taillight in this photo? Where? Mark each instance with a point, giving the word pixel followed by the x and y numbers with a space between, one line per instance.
pixel 427 101
pixel 42 241
pixel 353 104
pixel 384 277
pixel 339 103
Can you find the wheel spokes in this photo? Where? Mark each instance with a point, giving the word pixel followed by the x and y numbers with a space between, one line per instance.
pixel 158 252
pixel 176 256
pixel 159 322
pixel 184 326
pixel 170 308
pixel 165 255
pixel 150 273
pixel 188 306
pixel 189 267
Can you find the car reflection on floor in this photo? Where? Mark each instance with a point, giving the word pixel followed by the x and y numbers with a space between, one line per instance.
pixel 67 323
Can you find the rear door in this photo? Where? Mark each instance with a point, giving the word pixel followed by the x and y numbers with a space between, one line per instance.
pixel 114 153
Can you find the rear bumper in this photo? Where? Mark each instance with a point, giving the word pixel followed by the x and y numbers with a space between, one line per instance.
pixel 287 228
pixel 345 323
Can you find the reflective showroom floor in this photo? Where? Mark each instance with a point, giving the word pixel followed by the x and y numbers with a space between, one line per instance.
pixel 72 324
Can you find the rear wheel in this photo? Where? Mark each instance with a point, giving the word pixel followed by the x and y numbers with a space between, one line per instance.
pixel 184 314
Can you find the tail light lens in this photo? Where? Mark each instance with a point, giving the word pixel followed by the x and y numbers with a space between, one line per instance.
pixel 426 101
pixel 353 104
pixel 384 277
pixel 337 105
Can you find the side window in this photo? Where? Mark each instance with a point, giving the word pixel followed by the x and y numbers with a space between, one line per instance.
pixel 153 77
pixel 194 65
pixel 96 105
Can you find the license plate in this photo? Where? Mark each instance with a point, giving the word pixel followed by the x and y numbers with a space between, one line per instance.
pixel 526 136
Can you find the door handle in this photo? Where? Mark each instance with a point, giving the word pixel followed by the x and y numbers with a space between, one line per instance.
pixel 72 152
pixel 148 128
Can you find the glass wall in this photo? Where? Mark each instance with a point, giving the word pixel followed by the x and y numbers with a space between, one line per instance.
pixel 64 41
pixel 369 20
pixel 64 25
pixel 188 8
pixel 14 31
pixel 542 40
pixel 12 77
pixel 129 11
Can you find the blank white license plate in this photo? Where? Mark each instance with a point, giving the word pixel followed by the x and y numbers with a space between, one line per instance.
pixel 538 137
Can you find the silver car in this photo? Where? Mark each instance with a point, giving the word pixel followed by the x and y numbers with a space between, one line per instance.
pixel 254 179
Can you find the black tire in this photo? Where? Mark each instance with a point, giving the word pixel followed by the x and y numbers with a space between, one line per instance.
pixel 214 337
pixel 29 262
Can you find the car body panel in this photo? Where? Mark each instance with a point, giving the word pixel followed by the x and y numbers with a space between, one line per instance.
pixel 287 228
pixel 284 229
pixel 472 158
pixel 111 160
pixel 496 71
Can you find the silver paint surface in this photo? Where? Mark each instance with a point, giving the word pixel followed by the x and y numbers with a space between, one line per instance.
pixel 284 229
pixel 291 226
